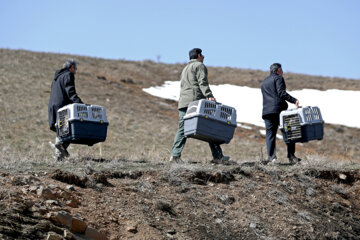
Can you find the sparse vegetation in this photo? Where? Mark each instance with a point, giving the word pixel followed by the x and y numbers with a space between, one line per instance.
pixel 126 187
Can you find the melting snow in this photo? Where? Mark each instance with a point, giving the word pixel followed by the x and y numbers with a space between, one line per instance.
pixel 337 106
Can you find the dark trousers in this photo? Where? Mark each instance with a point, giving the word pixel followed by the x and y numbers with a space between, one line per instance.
pixel 180 140
pixel 272 124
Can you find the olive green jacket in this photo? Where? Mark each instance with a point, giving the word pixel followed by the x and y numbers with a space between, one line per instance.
pixel 194 83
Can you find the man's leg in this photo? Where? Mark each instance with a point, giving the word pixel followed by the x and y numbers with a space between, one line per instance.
pixel 60 149
pixel 271 124
pixel 179 139
pixel 216 150
pixel 290 150
pixel 291 154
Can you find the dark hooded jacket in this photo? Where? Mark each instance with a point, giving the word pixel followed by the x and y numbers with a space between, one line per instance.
pixel 274 94
pixel 62 93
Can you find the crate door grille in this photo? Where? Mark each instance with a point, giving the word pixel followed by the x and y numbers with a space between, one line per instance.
pixel 316 114
pixel 63 123
pixel 210 108
pixel 292 126
pixel 225 113
pixel 96 113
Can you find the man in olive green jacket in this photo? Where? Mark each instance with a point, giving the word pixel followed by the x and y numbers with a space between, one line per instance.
pixel 194 86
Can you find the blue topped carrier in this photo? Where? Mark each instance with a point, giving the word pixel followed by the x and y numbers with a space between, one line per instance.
pixel 302 124
pixel 210 121
pixel 82 124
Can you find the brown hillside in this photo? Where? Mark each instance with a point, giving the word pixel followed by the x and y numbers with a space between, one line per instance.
pixel 125 187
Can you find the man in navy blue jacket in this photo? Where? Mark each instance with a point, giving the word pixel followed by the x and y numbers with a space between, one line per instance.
pixel 62 93
pixel 274 94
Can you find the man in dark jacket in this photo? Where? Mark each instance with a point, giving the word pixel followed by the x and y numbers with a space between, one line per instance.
pixel 62 93
pixel 274 94
pixel 194 86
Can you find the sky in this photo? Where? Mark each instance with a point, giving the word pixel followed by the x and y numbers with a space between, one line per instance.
pixel 247 101
pixel 319 37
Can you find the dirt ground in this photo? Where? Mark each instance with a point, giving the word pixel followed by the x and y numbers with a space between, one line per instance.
pixel 125 188
pixel 181 201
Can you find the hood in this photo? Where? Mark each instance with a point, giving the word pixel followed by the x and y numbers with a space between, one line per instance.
pixel 60 72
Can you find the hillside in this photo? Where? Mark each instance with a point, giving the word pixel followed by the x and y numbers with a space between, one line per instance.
pixel 125 187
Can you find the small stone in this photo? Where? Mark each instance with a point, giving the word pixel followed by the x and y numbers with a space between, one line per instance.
pixel 78 225
pixel 24 190
pixel 45 193
pixel 94 234
pixel 31 179
pixel 65 194
pixel 253 225
pixel 68 235
pixel 52 186
pixel 73 202
pixel 33 189
pixel 63 218
pixel 171 231
pixel 342 176
pixel 132 228
pixel 54 236
pixel 51 202
pixel 70 187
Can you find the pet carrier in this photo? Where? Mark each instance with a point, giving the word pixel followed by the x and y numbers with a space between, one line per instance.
pixel 301 124
pixel 210 121
pixel 82 124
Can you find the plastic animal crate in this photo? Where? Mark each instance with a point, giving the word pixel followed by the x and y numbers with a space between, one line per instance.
pixel 210 121
pixel 82 124
pixel 302 124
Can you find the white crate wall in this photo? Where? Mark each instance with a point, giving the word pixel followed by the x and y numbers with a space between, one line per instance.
pixel 213 110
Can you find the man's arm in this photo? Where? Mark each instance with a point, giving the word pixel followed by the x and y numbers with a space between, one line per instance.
pixel 70 90
pixel 281 90
pixel 201 76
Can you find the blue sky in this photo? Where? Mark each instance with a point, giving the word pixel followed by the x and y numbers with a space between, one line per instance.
pixel 312 37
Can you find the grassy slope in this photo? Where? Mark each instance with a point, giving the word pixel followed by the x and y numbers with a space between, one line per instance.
pixel 141 126
pixel 191 201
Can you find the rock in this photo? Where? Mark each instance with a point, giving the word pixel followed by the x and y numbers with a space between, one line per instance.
pixel 46 193
pixel 33 189
pixel 68 235
pixel 63 218
pixel 342 176
pixel 54 236
pixel 171 231
pixel 70 187
pixel 52 186
pixel 78 225
pixel 94 234
pixel 218 220
pixel 132 228
pixel 66 195
pixel 73 202
pixel 253 225
pixel 31 179
pixel 51 202
pixel 24 190
pixel 127 80
pixel 17 181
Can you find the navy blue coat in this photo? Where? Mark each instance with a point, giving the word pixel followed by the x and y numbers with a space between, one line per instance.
pixel 274 94
pixel 62 93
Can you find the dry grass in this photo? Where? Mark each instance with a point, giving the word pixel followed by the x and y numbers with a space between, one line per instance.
pixel 142 127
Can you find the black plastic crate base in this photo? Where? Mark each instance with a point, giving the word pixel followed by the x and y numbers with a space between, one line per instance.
pixel 208 130
pixel 309 132
pixel 86 133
